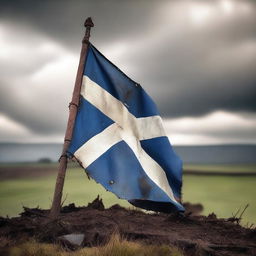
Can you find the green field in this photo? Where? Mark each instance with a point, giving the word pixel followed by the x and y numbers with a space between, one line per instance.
pixel 223 195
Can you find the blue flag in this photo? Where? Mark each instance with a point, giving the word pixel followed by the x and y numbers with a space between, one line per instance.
pixel 119 139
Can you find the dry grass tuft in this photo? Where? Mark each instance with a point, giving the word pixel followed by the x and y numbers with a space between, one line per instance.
pixel 115 247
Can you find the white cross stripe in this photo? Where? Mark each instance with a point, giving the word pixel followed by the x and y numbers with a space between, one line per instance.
pixel 98 145
pixel 126 127
pixel 142 128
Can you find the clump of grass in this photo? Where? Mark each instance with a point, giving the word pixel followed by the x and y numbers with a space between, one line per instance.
pixel 115 247
pixel 33 248
pixel 118 246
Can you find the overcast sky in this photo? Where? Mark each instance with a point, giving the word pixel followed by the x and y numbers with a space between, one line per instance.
pixel 197 59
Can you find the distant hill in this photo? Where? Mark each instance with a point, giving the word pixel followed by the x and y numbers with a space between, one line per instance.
pixel 217 154
pixel 19 152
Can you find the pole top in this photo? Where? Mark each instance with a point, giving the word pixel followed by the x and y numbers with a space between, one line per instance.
pixel 88 22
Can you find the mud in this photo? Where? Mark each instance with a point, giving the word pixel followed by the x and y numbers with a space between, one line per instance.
pixel 194 234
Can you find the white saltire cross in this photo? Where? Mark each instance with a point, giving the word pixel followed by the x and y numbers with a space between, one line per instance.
pixel 126 127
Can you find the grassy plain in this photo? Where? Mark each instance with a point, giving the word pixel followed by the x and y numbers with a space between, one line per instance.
pixel 223 195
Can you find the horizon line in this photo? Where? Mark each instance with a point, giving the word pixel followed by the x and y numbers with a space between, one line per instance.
pixel 175 145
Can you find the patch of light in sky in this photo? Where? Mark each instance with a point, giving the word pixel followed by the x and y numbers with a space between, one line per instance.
pixel 11 126
pixel 227 6
pixel 208 129
pixel 202 13
pixel 199 13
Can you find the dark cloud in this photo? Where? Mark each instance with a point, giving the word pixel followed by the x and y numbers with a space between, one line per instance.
pixel 63 19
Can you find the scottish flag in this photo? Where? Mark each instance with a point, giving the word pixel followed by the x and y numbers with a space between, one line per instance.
pixel 119 139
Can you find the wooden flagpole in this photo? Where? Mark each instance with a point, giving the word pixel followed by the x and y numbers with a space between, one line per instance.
pixel 73 106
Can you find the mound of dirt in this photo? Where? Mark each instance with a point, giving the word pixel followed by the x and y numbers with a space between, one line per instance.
pixel 194 234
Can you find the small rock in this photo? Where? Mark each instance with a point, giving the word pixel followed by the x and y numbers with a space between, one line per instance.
pixel 74 239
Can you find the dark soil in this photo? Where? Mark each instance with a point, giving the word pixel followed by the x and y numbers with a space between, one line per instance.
pixel 194 234
pixel 26 171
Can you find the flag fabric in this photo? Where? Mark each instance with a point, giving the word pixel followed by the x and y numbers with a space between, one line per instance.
pixel 119 139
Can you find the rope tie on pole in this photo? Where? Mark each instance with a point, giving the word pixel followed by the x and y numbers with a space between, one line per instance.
pixel 63 155
pixel 74 104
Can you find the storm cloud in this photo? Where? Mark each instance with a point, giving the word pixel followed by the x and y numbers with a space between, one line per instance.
pixel 195 58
